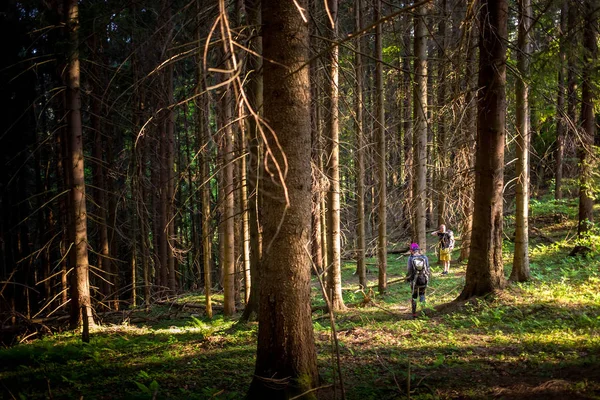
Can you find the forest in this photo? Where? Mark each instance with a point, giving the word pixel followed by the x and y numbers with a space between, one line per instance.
pixel 225 199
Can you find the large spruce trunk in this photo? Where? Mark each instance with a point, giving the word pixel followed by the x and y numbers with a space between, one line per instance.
pixel 485 270
pixel 286 358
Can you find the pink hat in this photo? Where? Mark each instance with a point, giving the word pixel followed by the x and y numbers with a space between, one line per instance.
pixel 414 247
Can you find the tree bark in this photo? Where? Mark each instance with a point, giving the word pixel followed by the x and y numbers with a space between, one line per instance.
pixel 520 270
pixel 470 128
pixel 245 223
pixel 588 117
pixel 286 358
pixel 420 132
pixel 228 209
pixel 255 166
pixel 81 307
pixel 361 268
pixel 408 133
pixel 318 190
pixel 560 104
pixel 380 154
pixel 573 72
pixel 205 138
pixel 485 271
pixel 442 131
pixel 334 250
pixel 170 176
pixel 163 208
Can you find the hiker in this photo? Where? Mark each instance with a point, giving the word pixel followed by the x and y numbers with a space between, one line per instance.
pixel 446 246
pixel 418 276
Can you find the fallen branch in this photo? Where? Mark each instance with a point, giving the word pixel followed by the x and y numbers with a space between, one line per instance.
pixel 542 235
pixel 181 306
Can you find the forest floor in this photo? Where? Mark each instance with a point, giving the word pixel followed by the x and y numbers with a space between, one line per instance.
pixel 534 340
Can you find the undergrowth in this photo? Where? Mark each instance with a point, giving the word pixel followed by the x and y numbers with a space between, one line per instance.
pixel 538 339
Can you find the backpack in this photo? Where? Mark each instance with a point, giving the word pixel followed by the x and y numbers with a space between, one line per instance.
pixel 447 240
pixel 419 270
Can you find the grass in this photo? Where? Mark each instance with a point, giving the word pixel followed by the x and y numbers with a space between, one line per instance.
pixel 539 339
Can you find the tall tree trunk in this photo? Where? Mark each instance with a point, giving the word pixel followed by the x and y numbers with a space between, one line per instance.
pixel 156 220
pixel 165 157
pixel 204 137
pixel 560 104
pixel 245 223
pixel 485 271
pixel 81 307
pixel 228 199
pixel 133 218
pixel 442 131
pixel 104 260
pixel 163 208
pixel 143 231
pixel 380 153
pixel 228 260
pixel 138 236
pixel 286 362
pixel 408 133
pixel 254 204
pixel 470 130
pixel 318 190
pixel 170 222
pixel 206 212
pixel 195 248
pixel 113 205
pixel 520 270
pixel 420 132
pixel 334 270
pixel 573 72
pixel 361 268
pixel 320 162
pixel 64 183
pixel 431 157
pixel 588 117
pixel 169 151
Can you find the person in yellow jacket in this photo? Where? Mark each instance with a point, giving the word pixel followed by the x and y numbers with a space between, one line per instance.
pixel 446 245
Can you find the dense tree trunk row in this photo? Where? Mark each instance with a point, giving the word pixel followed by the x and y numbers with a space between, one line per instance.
pixel 372 127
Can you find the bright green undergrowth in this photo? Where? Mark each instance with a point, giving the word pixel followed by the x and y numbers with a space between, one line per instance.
pixel 542 329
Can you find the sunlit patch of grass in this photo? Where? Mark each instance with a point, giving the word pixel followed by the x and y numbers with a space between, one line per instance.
pixel 132 359
pixel 550 206
pixel 198 298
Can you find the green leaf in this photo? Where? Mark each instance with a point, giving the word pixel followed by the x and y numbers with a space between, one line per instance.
pixel 142 387
pixel 153 386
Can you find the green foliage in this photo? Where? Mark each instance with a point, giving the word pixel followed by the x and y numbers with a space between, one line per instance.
pixel 558 209
pixel 391 53
pixel 529 334
pixel 151 389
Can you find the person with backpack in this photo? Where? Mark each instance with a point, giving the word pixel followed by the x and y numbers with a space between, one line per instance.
pixel 446 246
pixel 418 275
